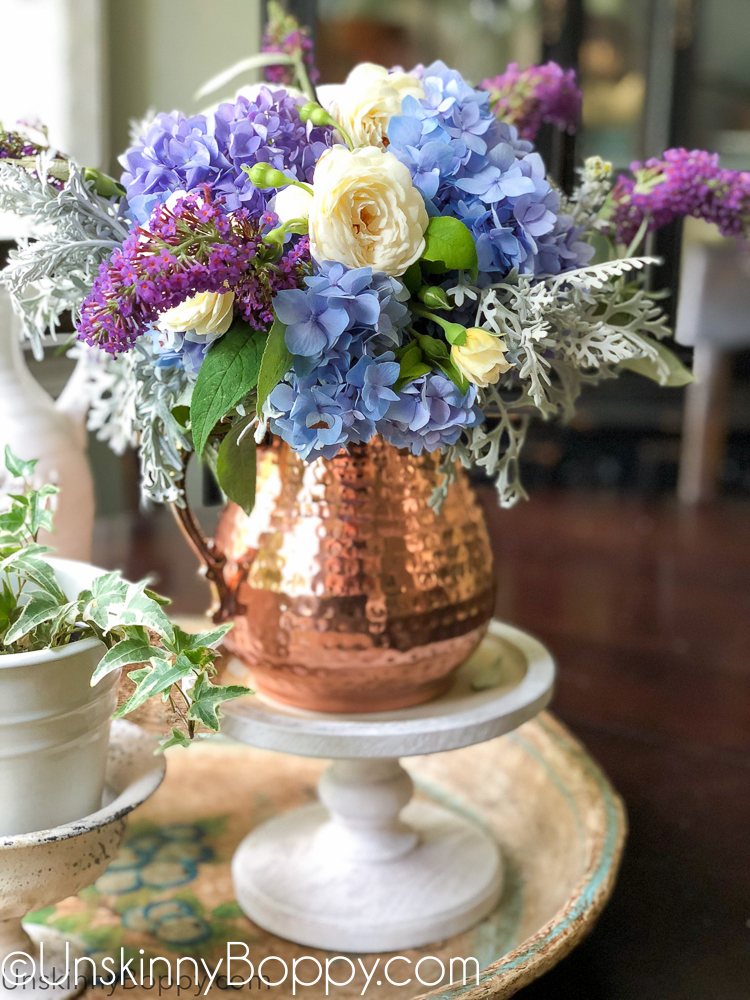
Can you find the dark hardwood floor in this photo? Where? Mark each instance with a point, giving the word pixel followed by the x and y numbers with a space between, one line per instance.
pixel 647 610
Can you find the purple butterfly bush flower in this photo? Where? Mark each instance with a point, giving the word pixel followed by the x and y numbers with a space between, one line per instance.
pixel 192 247
pixel 528 98
pixel 684 182
pixel 285 34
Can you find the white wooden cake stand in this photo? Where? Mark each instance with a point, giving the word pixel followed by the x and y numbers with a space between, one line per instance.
pixel 368 869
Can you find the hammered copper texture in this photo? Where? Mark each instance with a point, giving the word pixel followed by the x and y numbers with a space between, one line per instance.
pixel 351 593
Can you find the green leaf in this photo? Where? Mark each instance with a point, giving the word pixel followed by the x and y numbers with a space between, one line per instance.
pixel 432 348
pixel 450 371
pixel 26 564
pixel 41 607
pixel 16 466
pixel 176 739
pixel 668 370
pixel 235 466
pixel 207 698
pixel 181 414
pixel 229 371
pixel 412 278
pixel 8 604
pixel 276 362
pixel 154 680
pixel 184 641
pixel 411 366
pixel 133 649
pixel 159 598
pixel 449 245
pixel 13 520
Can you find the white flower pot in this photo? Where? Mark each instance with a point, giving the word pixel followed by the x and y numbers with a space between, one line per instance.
pixel 54 727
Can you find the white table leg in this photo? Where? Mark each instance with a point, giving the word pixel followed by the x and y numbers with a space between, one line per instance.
pixel 369 869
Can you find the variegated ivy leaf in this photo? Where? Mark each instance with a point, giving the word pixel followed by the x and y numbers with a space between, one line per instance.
pixel 17 466
pixel 139 609
pixel 13 520
pixel 190 641
pixel 41 607
pixel 176 739
pixel 38 514
pixel 133 649
pixel 207 698
pixel 154 680
pixel 28 566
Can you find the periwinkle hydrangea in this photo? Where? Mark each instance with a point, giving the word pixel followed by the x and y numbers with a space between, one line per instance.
pixel 340 329
pixel 179 153
pixel 354 310
pixel 429 414
pixel 469 165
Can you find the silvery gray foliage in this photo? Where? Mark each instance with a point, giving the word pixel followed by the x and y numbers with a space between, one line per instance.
pixel 163 443
pixel 588 199
pixel 74 230
pixel 130 405
pixel 583 320
pixel 111 392
pixel 561 333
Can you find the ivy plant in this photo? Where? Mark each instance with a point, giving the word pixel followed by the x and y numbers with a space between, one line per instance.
pixel 128 618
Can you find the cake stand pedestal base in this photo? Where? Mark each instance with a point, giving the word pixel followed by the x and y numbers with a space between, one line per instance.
pixel 368 870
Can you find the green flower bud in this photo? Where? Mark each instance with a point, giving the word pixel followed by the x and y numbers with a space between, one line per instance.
pixel 264 176
pixel 434 297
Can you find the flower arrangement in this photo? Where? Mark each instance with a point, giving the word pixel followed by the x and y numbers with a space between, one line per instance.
pixel 128 618
pixel 387 257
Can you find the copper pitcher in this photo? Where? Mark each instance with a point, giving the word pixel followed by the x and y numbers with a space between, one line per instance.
pixel 348 593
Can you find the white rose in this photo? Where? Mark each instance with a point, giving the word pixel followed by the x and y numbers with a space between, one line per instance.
pixel 481 359
pixel 292 203
pixel 205 313
pixel 368 100
pixel 365 211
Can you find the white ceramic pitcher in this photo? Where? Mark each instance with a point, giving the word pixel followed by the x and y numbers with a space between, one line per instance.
pixel 35 426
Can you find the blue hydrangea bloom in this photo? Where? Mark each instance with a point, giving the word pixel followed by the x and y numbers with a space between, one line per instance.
pixel 430 414
pixel 181 350
pixel 322 412
pixel 341 310
pixel 469 165
pixel 340 329
pixel 179 153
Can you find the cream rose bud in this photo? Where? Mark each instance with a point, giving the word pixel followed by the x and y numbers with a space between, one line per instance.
pixel 481 359
pixel 205 313
pixel 365 211
pixel 292 203
pixel 368 100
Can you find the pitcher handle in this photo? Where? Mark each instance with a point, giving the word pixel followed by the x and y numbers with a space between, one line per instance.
pixel 211 558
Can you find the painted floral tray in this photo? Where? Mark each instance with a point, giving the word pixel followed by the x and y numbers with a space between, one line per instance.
pixel 560 823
